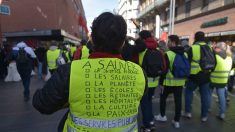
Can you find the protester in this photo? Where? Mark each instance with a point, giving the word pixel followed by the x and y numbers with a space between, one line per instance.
pixel 232 73
pixel 24 61
pixel 41 56
pixel 178 70
pixel 82 51
pixel 219 76
pixel 2 62
pixel 12 73
pixel 202 62
pixel 93 88
pixel 150 61
pixel 130 52
pixel 54 58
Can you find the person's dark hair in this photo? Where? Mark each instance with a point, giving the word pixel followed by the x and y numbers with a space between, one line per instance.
pixel 145 34
pixel 174 38
pixel 108 33
pixel 83 42
pixel 199 36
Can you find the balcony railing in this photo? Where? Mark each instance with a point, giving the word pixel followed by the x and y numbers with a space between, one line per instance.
pixel 156 3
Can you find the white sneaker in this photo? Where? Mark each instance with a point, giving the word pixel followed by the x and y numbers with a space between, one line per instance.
pixel 187 115
pixel 221 116
pixel 176 124
pixel 204 119
pixel 160 118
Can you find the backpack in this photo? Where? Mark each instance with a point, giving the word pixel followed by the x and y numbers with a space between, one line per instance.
pixel 207 60
pixel 181 66
pixel 154 63
pixel 60 60
pixel 22 58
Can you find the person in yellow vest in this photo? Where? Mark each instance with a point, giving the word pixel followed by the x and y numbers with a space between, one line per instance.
pixel 219 76
pixel 169 83
pixel 146 102
pixel 51 55
pixel 102 92
pixel 82 51
pixel 197 78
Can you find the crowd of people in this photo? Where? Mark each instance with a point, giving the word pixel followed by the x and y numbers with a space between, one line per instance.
pixel 107 69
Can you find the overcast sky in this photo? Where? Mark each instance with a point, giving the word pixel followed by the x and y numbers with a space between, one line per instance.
pixel 95 7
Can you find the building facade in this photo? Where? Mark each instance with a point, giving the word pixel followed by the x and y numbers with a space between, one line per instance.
pixel 214 17
pixel 129 9
pixel 44 20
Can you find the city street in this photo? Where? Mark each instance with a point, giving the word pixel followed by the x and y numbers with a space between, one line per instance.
pixel 18 116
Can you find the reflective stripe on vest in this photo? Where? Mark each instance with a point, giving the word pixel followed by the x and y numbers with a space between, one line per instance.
pixel 170 80
pixel 222 69
pixel 104 124
pixel 133 128
pixel 85 52
pixel 152 82
pixel 51 58
pixel 104 95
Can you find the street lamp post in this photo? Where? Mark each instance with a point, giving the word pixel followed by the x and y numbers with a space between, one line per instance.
pixel 172 17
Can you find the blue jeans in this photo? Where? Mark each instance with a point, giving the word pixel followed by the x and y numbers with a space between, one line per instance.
pixel 25 75
pixel 204 90
pixel 146 107
pixel 40 70
pixel 221 93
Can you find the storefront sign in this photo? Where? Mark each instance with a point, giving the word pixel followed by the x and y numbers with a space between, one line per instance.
pixel 216 22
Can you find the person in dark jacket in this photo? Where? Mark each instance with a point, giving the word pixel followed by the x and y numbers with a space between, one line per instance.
pixel 130 52
pixel 168 87
pixel 146 102
pixel 41 56
pixel 25 66
pixel 108 35
pixel 2 62
pixel 201 80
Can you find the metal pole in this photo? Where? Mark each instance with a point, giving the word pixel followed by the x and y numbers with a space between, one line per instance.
pixel 170 19
pixel 173 17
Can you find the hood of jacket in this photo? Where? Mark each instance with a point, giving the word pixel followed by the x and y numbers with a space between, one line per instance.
pixel 222 54
pixel 53 48
pixel 177 49
pixel 151 43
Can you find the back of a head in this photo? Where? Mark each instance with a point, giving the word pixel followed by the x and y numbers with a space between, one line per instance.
pixel 83 42
pixel 145 34
pixel 54 43
pixel 108 33
pixel 199 36
pixel 174 38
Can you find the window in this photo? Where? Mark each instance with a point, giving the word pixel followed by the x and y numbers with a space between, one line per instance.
pixel 176 12
pixel 227 2
pixel 205 3
pixel 187 8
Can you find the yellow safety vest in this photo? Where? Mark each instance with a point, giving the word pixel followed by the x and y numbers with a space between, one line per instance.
pixel 152 82
pixel 85 52
pixel 170 80
pixel 73 50
pixel 104 95
pixel 222 69
pixel 51 58
pixel 67 56
pixel 196 55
